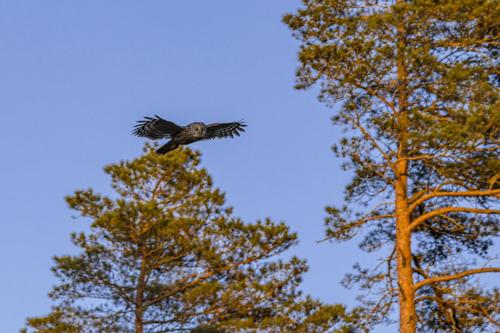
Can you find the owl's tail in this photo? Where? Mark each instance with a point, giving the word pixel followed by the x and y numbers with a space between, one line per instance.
pixel 167 147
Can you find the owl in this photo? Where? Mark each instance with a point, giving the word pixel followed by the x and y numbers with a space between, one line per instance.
pixel 158 128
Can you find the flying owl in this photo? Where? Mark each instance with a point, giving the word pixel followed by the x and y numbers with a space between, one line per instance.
pixel 158 128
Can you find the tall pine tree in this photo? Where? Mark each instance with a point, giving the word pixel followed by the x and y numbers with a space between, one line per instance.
pixel 163 254
pixel 418 86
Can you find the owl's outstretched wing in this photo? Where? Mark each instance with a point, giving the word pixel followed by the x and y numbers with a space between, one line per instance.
pixel 225 130
pixel 156 128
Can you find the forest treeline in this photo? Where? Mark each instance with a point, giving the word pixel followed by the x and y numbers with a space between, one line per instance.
pixel 416 88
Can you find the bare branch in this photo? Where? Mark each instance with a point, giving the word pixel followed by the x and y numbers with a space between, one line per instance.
pixel 471 42
pixel 381 98
pixel 370 138
pixel 426 197
pixel 460 275
pixel 418 221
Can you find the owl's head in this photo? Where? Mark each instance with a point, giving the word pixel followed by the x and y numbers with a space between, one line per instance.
pixel 198 130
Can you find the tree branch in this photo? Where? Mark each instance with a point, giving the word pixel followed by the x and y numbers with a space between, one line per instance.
pixel 370 138
pixel 418 221
pixel 373 93
pixel 431 195
pixel 471 42
pixel 460 275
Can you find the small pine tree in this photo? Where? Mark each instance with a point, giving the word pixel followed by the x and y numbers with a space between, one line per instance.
pixel 164 254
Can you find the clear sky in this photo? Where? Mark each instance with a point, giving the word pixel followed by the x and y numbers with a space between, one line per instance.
pixel 76 75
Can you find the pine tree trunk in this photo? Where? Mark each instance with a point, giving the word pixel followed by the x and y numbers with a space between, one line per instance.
pixel 139 326
pixel 406 295
pixel 407 314
pixel 139 300
pixel 139 323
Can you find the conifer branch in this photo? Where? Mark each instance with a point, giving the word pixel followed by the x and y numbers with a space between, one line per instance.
pixel 479 193
pixel 418 221
pixel 460 275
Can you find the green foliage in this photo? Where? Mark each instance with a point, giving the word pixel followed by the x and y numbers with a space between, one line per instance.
pixel 56 322
pixel 163 253
pixel 418 83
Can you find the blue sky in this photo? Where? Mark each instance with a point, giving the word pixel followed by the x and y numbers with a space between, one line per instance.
pixel 76 75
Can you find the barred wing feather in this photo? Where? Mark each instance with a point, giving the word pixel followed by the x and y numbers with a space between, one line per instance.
pixel 225 130
pixel 156 128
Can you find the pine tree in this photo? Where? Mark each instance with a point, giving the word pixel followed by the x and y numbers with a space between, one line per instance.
pixel 163 253
pixel 418 86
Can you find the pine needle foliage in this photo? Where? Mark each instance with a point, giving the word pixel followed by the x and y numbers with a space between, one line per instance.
pixel 417 85
pixel 164 254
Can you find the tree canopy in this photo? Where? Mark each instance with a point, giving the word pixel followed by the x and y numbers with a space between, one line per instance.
pixel 163 254
pixel 418 87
